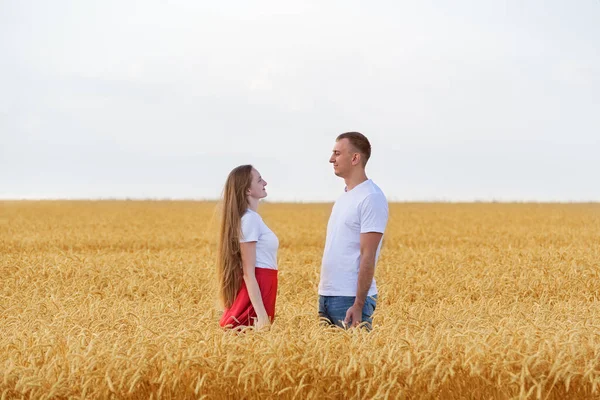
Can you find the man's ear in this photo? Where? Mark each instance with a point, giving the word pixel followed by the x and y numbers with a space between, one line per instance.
pixel 355 158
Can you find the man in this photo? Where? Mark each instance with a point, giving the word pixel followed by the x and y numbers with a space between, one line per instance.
pixel 347 290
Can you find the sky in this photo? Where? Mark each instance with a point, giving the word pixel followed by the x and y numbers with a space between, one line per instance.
pixel 462 101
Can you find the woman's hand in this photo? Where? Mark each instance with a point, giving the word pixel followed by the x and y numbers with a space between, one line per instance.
pixel 262 323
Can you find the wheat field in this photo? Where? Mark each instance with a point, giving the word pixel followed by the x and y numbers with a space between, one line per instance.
pixel 117 299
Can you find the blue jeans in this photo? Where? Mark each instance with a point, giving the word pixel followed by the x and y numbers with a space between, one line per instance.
pixel 332 309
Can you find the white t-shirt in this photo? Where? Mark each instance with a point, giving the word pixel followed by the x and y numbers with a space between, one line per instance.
pixel 255 230
pixel 361 210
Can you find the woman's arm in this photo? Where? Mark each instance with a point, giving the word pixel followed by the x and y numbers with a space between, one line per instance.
pixel 248 250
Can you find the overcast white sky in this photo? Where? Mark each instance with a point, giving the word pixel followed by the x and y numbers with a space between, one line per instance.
pixel 462 100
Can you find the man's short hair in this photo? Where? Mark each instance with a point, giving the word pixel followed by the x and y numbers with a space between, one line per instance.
pixel 359 142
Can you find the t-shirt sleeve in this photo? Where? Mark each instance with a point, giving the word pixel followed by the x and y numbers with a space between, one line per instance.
pixel 373 213
pixel 250 228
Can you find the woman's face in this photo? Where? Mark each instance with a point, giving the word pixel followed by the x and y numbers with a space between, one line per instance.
pixel 257 187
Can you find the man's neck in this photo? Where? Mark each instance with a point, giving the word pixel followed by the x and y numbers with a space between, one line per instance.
pixel 355 180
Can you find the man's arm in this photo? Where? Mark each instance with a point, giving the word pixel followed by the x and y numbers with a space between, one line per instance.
pixel 368 250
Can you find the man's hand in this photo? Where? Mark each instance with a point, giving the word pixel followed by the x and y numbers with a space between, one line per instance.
pixel 353 316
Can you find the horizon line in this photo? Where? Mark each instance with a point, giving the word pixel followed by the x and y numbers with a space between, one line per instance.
pixel 213 200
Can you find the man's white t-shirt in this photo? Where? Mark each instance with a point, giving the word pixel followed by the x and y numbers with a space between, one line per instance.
pixel 361 210
pixel 255 230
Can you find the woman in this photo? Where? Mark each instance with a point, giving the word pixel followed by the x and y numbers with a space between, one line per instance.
pixel 247 263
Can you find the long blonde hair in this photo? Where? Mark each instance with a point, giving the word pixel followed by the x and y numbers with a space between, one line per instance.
pixel 235 204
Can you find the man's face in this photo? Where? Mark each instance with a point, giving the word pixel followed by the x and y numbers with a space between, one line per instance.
pixel 343 157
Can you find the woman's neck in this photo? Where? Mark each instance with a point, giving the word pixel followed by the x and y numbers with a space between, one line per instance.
pixel 253 204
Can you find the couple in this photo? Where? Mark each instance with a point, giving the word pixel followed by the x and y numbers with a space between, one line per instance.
pixel 247 255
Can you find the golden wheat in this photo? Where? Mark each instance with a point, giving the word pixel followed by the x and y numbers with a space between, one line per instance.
pixel 110 298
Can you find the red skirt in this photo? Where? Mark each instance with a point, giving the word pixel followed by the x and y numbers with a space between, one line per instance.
pixel 241 311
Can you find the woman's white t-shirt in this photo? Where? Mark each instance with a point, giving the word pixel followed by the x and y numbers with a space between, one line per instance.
pixel 255 230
